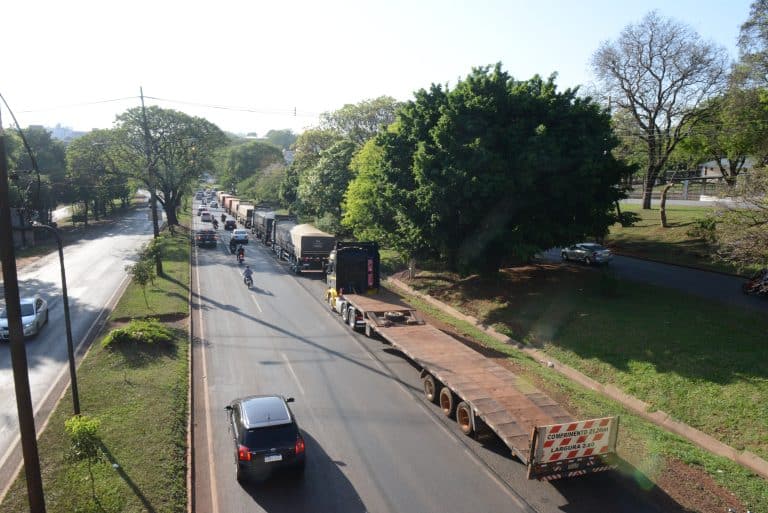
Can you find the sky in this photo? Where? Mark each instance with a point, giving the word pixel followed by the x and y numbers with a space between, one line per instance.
pixel 252 66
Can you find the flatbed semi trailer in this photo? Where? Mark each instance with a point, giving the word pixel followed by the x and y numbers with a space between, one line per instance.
pixel 479 393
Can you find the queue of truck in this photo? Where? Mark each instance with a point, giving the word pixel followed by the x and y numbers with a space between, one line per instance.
pixel 482 396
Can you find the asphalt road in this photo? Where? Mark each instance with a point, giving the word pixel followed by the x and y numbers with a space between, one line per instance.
pixel 373 442
pixel 95 269
pixel 722 288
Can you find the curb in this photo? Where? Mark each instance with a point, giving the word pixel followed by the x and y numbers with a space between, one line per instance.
pixel 746 459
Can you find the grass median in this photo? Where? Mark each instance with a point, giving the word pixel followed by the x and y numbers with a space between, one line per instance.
pixel 703 363
pixel 138 393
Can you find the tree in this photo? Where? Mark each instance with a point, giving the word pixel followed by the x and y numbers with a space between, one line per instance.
pixel 93 172
pixel 361 121
pixel 753 46
pixel 281 138
pixel 661 73
pixel 741 232
pixel 732 130
pixel 243 161
pixel 307 149
pixel 321 188
pixel 177 150
pixel 491 171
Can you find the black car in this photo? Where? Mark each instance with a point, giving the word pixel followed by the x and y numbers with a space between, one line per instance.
pixel 230 224
pixel 266 436
pixel 206 238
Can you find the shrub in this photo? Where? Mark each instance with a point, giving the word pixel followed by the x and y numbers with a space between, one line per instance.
pixel 146 331
pixel 84 438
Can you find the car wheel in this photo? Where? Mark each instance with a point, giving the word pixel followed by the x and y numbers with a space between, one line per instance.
pixel 46 317
pixel 587 260
pixel 564 256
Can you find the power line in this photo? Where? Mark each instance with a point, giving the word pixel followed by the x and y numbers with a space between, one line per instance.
pixel 83 104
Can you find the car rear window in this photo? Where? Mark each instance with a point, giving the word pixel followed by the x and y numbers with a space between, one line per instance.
pixel 271 436
pixel 26 309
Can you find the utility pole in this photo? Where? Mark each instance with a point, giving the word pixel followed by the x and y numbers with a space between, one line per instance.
pixel 16 338
pixel 151 181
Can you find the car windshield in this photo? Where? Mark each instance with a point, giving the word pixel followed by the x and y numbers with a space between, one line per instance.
pixel 270 436
pixel 593 247
pixel 26 309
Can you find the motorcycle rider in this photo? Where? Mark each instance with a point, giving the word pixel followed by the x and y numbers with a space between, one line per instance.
pixel 240 252
pixel 247 274
pixel 232 245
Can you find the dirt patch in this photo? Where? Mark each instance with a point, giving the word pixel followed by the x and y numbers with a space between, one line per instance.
pixel 678 485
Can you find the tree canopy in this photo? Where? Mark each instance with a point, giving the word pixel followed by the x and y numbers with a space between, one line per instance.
pixel 177 149
pixel 361 121
pixel 491 170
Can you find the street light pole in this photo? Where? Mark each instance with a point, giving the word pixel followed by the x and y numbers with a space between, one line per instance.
pixel 67 323
pixel 18 351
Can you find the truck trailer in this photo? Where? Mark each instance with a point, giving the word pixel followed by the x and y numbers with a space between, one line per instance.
pixel 262 225
pixel 281 234
pixel 244 213
pixel 482 396
pixel 309 248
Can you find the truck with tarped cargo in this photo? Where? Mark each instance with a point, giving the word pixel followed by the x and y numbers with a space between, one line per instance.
pixel 481 395
pixel 244 213
pixel 262 225
pixel 281 234
pixel 309 248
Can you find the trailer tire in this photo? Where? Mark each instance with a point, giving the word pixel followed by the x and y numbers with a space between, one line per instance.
pixel 464 419
pixel 351 314
pixel 430 388
pixel 447 402
pixel 345 314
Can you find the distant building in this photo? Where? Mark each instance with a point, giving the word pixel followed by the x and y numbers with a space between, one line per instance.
pixel 64 133
pixel 710 169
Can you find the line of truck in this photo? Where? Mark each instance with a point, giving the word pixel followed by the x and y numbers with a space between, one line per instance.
pixel 481 395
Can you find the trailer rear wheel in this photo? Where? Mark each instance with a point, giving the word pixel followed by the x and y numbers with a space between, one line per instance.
pixel 464 416
pixel 345 314
pixel 351 318
pixel 447 402
pixel 430 388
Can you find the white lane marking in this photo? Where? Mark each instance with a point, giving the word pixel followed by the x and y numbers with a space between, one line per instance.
pixel 257 304
pixel 65 369
pixel 293 373
pixel 206 399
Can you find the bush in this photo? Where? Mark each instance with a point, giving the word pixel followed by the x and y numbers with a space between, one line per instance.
pixel 84 438
pixel 148 331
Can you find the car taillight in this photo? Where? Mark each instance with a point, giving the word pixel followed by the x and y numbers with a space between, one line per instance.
pixel 299 445
pixel 243 454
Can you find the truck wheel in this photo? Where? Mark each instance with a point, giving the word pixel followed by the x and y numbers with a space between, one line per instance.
pixel 430 388
pixel 464 418
pixel 345 315
pixel 447 402
pixel 351 315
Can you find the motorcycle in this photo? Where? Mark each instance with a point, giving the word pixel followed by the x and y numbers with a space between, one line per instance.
pixel 240 258
pixel 215 224
pixel 223 217
pixel 232 246
pixel 248 280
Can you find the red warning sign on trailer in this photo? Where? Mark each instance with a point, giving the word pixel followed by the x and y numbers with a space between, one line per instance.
pixel 559 442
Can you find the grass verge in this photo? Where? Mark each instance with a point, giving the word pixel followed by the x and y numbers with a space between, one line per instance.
pixel 647 239
pixel 702 363
pixel 139 394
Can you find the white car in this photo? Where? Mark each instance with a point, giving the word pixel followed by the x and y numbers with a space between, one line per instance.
pixel 34 313
pixel 240 236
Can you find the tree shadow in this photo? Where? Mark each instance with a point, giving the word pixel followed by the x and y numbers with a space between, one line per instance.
pixel 139 354
pixel 148 507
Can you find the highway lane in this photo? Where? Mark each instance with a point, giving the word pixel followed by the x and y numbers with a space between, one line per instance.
pixel 95 268
pixel 374 443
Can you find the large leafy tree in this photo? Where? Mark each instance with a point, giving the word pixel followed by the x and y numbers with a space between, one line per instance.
pixel 170 150
pixel 321 187
pixel 753 46
pixel 491 171
pixel 244 161
pixel 360 121
pixel 733 130
pixel 661 73
pixel 94 174
pixel 307 150
pixel 281 138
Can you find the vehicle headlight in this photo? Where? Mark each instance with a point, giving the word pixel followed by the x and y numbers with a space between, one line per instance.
pixel 28 325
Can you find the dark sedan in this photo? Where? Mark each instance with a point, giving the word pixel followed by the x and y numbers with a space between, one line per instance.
pixel 266 436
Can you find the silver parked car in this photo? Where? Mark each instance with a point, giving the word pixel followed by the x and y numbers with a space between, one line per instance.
pixel 587 252
pixel 34 313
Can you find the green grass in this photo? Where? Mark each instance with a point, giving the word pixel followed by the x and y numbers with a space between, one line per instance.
pixel 139 393
pixel 647 239
pixel 703 363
